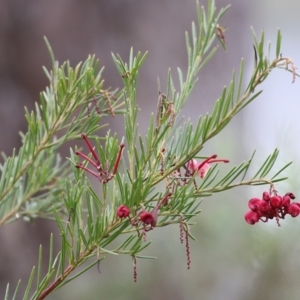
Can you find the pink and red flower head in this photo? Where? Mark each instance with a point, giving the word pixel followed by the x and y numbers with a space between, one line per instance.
pixel 203 167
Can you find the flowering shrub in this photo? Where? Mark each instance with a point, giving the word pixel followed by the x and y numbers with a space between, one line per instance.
pixel 146 182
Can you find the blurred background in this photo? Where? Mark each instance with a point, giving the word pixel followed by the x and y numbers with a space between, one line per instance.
pixel 230 259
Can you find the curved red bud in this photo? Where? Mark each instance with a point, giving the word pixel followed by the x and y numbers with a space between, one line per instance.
pixel 253 204
pixel 286 201
pixel 276 201
pixel 251 217
pixel 147 218
pixel 291 195
pixel 266 196
pixel 293 210
pixel 123 211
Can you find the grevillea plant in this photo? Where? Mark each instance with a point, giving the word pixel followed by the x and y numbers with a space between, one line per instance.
pixel 146 182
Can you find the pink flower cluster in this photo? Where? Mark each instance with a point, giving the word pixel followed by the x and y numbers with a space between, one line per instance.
pixel 270 207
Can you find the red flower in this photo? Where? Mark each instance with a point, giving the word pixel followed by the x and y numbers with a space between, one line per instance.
pixel 254 204
pixel 293 210
pixel 148 218
pixel 276 201
pixel 251 217
pixel 203 167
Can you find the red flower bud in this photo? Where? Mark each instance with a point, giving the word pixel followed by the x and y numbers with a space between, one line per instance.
pixel 266 196
pixel 286 201
pixel 264 208
pixel 123 211
pixel 147 218
pixel 276 201
pixel 291 195
pixel 293 210
pixel 251 217
pixel 253 204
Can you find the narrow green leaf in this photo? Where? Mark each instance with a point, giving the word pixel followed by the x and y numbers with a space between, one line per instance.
pixel 16 290
pixel 240 81
pixel 278 43
pixel 39 266
pixel 145 257
pixel 108 251
pixel 6 292
pixel 281 170
pixel 29 284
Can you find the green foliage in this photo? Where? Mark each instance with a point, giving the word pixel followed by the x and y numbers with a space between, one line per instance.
pixel 36 183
